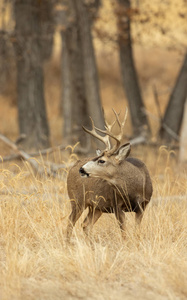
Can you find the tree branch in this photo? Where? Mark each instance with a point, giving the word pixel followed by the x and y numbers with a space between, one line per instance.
pixel 41 170
pixel 168 129
pixel 37 153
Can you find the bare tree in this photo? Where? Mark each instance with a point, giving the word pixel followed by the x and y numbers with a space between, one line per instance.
pixel 7 59
pixel 47 27
pixel 183 139
pixel 67 88
pixel 73 94
pixel 89 62
pixel 30 83
pixel 174 112
pixel 6 62
pixel 128 70
pixel 79 73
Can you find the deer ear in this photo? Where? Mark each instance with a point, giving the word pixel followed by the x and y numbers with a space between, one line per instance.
pixel 98 152
pixel 123 152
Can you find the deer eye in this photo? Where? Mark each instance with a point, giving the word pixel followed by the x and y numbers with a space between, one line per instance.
pixel 101 161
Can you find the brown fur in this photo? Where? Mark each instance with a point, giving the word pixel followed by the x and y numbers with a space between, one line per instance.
pixel 120 187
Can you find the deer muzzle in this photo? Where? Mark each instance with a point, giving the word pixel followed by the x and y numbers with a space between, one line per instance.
pixel 83 173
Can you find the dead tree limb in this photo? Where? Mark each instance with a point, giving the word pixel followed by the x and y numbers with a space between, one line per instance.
pixel 165 126
pixel 33 154
pixel 155 93
pixel 36 165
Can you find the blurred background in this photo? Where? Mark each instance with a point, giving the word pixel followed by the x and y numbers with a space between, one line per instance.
pixel 62 61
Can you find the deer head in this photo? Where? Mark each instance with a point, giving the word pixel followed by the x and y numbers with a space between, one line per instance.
pixel 104 165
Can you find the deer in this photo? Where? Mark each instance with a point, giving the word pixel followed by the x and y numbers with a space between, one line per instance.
pixel 111 182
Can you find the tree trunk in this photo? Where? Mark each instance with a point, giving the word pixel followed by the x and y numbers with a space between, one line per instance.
pixel 61 18
pixel 129 76
pixel 79 75
pixel 31 104
pixel 183 139
pixel 89 63
pixel 7 66
pixel 47 27
pixel 79 105
pixel 66 89
pixel 174 112
pixel 74 103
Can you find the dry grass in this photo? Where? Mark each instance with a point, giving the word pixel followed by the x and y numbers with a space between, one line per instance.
pixel 36 262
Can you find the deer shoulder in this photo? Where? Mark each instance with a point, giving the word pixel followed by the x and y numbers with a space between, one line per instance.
pixel 110 182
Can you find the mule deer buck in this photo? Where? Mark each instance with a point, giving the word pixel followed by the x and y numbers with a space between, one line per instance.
pixel 112 182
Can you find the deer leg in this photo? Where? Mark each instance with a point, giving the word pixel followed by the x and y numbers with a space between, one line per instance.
pixel 74 216
pixel 140 211
pixel 139 215
pixel 120 216
pixel 138 219
pixel 91 218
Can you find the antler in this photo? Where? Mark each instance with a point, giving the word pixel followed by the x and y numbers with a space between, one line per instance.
pixel 104 139
pixel 108 133
pixel 121 124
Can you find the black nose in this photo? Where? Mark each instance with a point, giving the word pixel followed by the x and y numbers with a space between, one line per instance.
pixel 81 171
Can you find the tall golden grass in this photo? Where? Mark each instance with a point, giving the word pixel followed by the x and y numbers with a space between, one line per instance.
pixel 37 263
pixel 35 260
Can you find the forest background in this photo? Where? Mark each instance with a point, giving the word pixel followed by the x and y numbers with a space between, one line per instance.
pixel 35 261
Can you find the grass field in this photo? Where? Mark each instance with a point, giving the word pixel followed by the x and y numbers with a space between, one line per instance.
pixel 36 262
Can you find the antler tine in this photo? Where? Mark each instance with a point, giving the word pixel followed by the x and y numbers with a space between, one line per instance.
pixel 121 124
pixel 93 132
pixel 118 138
pixel 110 126
pixel 117 116
pixel 105 139
pixel 108 133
